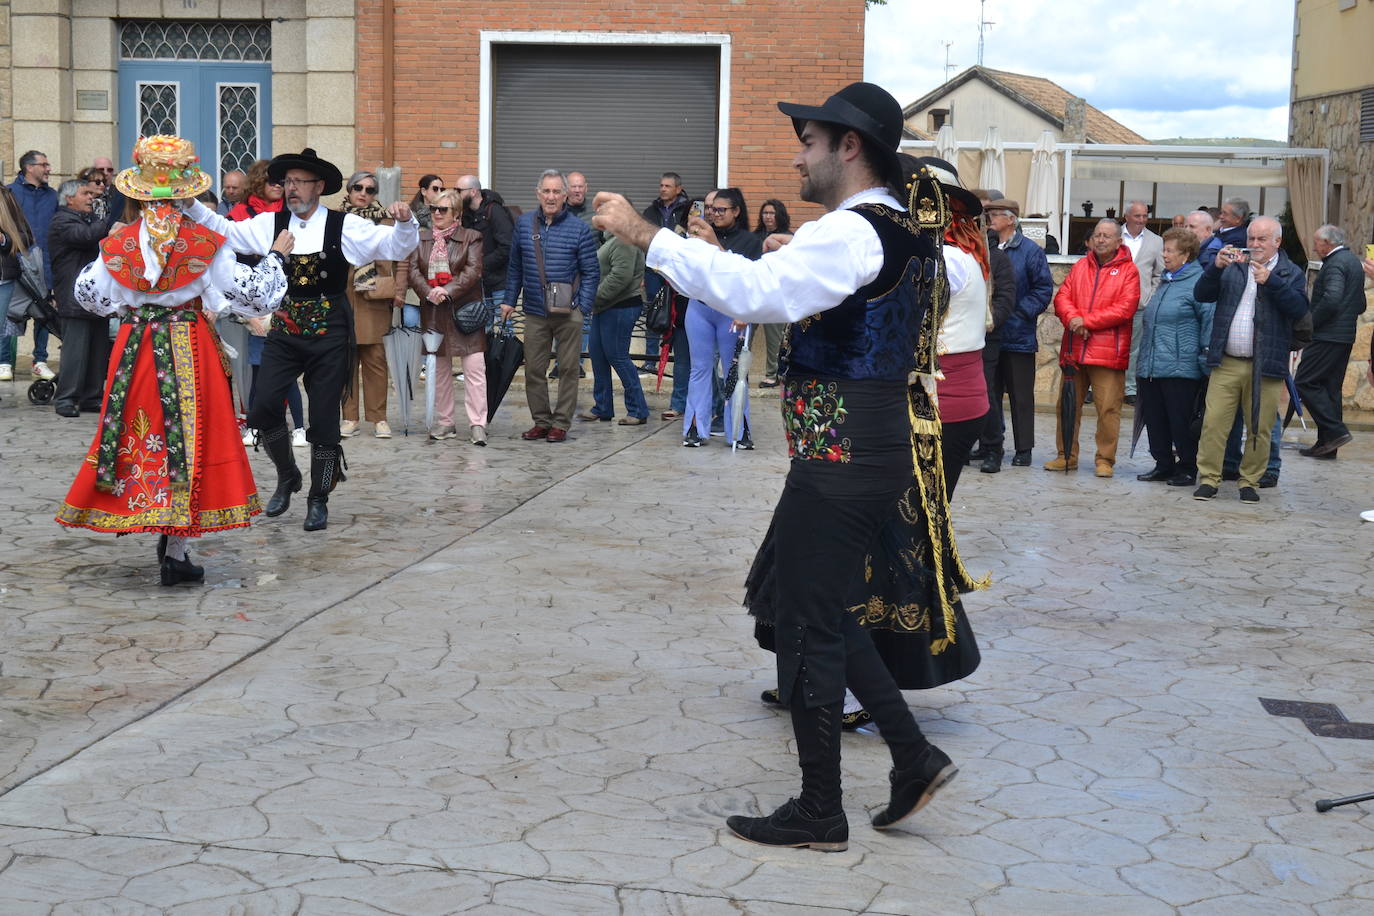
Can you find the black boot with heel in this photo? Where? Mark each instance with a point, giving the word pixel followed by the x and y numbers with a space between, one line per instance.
pixel 277 444
pixel 326 470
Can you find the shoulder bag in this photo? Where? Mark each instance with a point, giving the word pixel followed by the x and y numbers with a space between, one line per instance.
pixel 658 314
pixel 558 297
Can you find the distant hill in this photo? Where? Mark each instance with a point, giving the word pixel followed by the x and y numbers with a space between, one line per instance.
pixel 1218 141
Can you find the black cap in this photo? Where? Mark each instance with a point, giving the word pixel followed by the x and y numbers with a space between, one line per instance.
pixel 867 108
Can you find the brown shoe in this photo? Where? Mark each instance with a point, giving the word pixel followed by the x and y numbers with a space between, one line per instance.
pixel 1059 464
pixel 557 435
pixel 1103 469
pixel 535 432
pixel 633 421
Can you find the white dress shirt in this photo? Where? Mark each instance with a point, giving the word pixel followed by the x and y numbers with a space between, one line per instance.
pixel 826 261
pixel 1133 242
pixel 1240 336
pixel 363 240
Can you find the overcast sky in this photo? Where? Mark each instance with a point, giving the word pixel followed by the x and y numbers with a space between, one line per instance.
pixel 1166 68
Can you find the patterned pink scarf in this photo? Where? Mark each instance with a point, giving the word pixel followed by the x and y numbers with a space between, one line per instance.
pixel 439 254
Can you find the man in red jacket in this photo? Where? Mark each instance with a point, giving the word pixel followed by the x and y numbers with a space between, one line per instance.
pixel 1096 303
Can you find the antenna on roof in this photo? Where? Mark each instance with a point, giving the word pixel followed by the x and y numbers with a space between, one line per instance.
pixel 984 24
pixel 949 67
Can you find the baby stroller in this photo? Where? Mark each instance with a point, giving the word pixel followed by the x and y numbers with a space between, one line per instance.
pixel 27 304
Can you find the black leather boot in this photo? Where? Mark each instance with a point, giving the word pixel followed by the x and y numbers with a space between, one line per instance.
pixel 326 470
pixel 277 444
pixel 816 819
pixel 172 571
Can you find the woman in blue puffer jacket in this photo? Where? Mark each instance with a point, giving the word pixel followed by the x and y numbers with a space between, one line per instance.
pixel 1172 361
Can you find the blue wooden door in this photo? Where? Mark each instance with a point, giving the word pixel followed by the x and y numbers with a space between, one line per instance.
pixel 224 108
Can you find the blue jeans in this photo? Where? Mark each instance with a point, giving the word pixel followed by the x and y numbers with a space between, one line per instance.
pixel 1231 462
pixel 610 349
pixel 410 316
pixel 40 343
pixel 711 337
pixel 8 348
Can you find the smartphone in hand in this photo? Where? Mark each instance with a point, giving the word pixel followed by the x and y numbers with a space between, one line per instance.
pixel 699 209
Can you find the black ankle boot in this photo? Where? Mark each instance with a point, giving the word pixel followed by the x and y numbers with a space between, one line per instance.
pixel 277 444
pixel 914 785
pixel 326 470
pixel 173 571
pixel 789 826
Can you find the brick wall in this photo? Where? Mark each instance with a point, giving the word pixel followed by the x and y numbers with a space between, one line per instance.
pixel 798 50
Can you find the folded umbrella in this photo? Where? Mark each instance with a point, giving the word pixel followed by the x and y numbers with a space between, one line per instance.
pixel 737 383
pixel 234 335
pixel 402 348
pixel 433 340
pixel 1138 424
pixel 1294 402
pixel 505 354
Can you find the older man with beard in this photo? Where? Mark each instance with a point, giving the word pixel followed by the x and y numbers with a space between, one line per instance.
pixel 311 334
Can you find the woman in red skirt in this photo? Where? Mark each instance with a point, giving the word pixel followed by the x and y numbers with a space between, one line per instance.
pixel 168 458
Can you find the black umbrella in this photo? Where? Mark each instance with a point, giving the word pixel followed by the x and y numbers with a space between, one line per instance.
pixel 1199 409
pixel 1294 402
pixel 505 353
pixel 1138 423
pixel 1068 412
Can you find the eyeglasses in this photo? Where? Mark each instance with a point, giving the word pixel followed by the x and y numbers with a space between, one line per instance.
pixel 95 181
pixel 365 189
pixel 719 211
pixel 301 182
pixel 436 187
pixel 439 209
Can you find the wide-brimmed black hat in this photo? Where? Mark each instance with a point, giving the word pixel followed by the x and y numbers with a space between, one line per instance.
pixel 948 176
pixel 306 160
pixel 869 109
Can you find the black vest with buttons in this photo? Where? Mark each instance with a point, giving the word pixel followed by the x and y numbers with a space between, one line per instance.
pixel 323 274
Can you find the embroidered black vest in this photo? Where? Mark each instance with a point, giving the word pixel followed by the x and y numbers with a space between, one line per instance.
pixel 873 333
pixel 323 274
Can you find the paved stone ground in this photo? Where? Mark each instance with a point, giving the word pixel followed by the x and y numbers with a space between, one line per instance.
pixel 518 680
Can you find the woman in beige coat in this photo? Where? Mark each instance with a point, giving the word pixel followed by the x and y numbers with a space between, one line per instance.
pixel 371 292
pixel 446 271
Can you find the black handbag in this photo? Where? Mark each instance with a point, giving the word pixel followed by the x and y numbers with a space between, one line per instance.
pixel 471 317
pixel 658 314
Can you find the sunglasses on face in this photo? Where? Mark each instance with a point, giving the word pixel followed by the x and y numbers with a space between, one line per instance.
pixel 365 189
pixel 439 209
pixel 436 187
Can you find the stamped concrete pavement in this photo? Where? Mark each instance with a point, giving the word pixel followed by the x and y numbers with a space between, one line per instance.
pixel 518 680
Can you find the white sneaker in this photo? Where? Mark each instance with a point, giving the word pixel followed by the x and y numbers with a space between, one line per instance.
pixel 382 430
pixel 298 439
pixel 348 428
pixel 1367 515
pixel 6 372
pixel 41 370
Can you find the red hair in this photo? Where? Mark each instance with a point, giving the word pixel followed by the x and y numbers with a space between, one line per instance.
pixel 965 234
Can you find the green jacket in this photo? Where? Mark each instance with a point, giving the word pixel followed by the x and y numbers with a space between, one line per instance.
pixel 622 274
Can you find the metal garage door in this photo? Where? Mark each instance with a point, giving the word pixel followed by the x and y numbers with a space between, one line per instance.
pixel 620 115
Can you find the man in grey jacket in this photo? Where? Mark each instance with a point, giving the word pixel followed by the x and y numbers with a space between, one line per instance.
pixel 1147 251
pixel 1337 302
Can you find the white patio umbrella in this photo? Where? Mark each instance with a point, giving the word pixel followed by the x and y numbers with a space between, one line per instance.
pixel 946 147
pixel 1042 191
pixel 993 172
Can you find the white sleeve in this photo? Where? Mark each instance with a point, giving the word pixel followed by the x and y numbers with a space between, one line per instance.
pixel 247 291
pixel 826 261
pixel 94 290
pixel 250 236
pixel 364 240
pixel 957 268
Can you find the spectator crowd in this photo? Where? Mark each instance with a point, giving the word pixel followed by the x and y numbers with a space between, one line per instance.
pixel 1203 329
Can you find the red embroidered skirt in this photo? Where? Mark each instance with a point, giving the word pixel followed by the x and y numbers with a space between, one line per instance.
pixel 217 491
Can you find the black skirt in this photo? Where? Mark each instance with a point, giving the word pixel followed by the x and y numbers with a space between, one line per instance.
pixel 862 528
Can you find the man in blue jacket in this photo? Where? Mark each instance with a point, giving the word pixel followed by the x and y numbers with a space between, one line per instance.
pixel 551 251
pixel 39 203
pixel 1014 375
pixel 1258 298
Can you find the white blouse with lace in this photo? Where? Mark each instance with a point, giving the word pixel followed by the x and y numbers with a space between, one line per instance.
pixel 226 286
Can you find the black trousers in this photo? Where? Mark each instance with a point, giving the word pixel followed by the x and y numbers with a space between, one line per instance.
pixel 324 362
pixel 1320 376
pixel 1167 404
pixel 1013 375
pixel 956 442
pixel 85 362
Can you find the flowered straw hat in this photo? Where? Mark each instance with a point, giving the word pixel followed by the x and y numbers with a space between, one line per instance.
pixel 165 168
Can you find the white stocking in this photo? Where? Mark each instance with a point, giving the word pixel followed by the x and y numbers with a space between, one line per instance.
pixel 176 547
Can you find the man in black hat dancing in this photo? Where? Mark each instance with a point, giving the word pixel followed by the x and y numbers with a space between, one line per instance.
pixel 311 334
pixel 856 286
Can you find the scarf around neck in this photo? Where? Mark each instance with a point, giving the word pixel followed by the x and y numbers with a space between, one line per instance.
pixel 439 254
